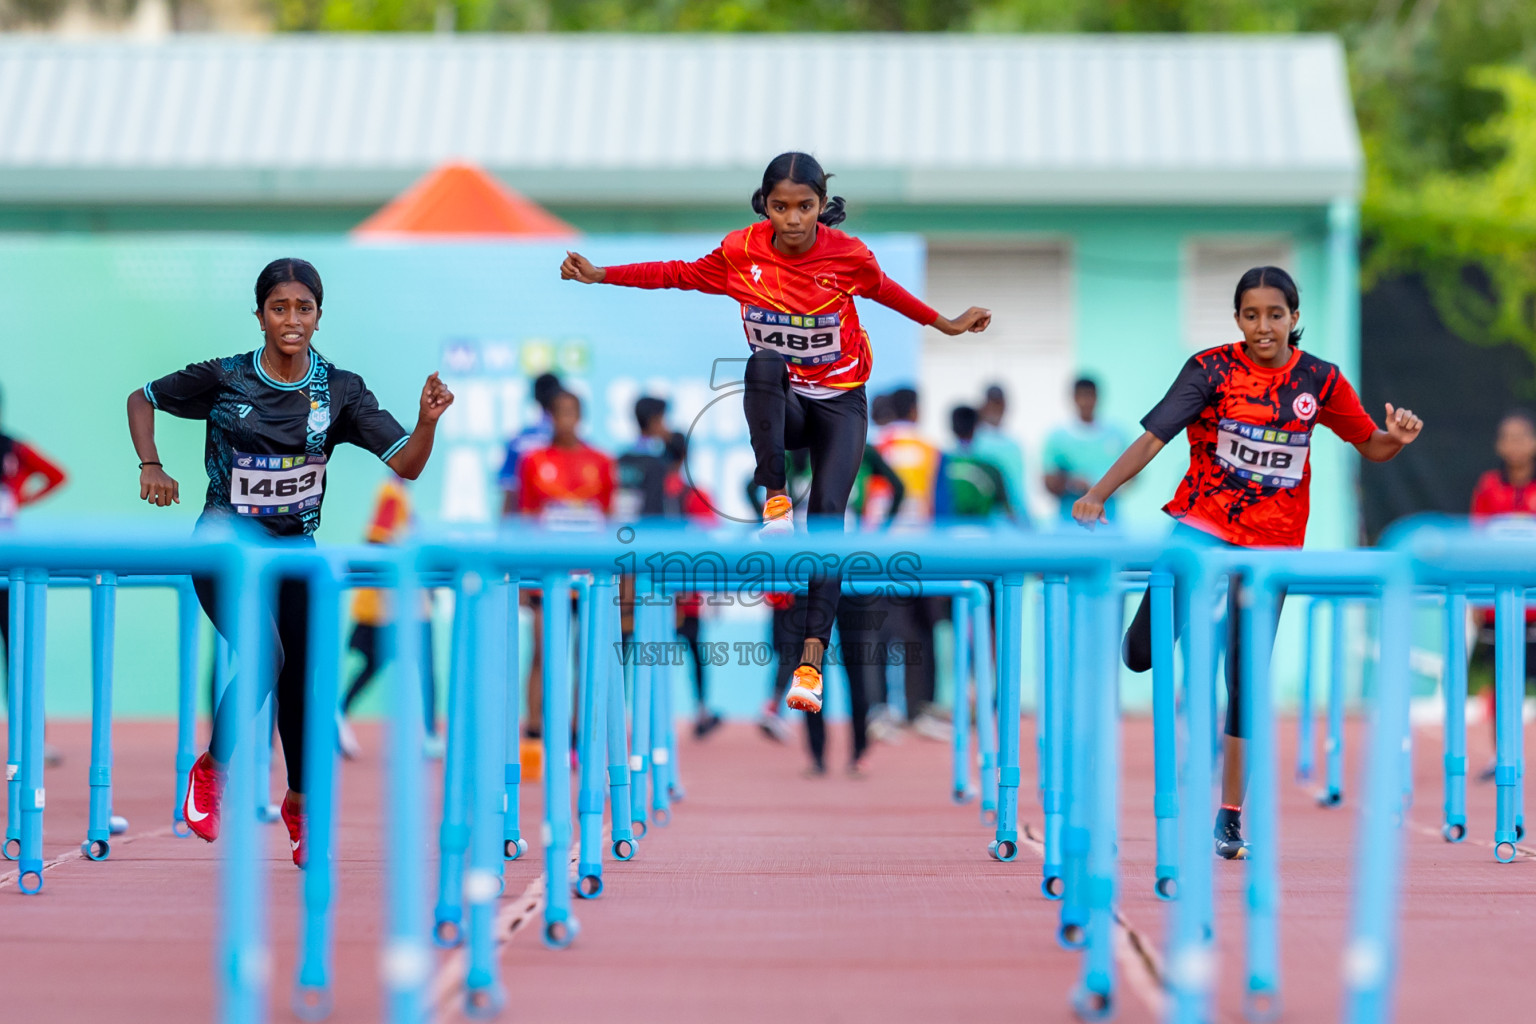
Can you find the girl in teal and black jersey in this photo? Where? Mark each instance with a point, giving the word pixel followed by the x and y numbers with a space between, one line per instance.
pixel 274 416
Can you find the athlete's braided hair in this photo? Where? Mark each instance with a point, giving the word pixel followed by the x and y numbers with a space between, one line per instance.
pixel 1270 277
pixel 801 169
pixel 284 270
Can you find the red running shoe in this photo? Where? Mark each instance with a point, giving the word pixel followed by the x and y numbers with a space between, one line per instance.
pixel 298 824
pixel 205 791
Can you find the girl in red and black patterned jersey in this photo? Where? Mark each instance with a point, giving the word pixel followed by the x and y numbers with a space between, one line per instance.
pixel 795 277
pixel 1503 496
pixel 1249 409
pixel 26 475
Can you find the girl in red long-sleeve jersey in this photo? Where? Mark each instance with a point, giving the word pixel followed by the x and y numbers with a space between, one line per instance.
pixel 796 277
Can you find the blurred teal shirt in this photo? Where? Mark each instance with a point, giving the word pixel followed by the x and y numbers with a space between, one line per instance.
pixel 1085 450
pixel 1004 452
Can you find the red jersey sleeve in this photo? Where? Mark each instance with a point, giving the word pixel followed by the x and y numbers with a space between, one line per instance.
pixel 873 283
pixel 30 463
pixel 1342 413
pixel 703 275
pixel 894 296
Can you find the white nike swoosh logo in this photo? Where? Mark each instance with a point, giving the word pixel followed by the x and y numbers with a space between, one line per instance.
pixel 294 843
pixel 190 810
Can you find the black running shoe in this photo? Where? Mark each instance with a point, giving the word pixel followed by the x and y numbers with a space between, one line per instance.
pixel 1230 844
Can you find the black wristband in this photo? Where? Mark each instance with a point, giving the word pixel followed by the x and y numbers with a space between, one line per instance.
pixel 143 464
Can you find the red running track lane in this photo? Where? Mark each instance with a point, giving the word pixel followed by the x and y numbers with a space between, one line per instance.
pixel 771 897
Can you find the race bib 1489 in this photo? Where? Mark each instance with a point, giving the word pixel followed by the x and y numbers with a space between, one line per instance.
pixel 275 485
pixel 1269 458
pixel 804 340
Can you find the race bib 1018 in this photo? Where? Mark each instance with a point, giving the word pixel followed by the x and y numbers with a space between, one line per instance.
pixel 803 340
pixel 275 485
pixel 1269 458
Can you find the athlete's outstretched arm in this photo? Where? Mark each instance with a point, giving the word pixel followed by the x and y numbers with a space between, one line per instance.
pixel 410 460
pixel 1089 509
pixel 702 275
pixel 892 295
pixel 156 486
pixel 1402 429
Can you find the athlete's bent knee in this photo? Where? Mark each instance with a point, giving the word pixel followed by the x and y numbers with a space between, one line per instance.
pixel 765 368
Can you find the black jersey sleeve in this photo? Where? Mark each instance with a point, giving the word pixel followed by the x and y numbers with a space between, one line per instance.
pixel 1191 392
pixel 370 427
pixel 188 393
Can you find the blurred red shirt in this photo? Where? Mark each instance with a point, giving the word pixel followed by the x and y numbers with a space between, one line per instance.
pixel 566 486
pixel 1494 498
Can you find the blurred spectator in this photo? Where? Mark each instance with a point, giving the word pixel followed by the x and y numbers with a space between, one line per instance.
pixel 1501 496
pixel 1080 451
pixel 371 613
pixel 1001 450
pixel 643 468
pixel 971 489
pixel 566 484
pixel 914 459
pixel 26 476
pixel 910 620
pixel 536 435
pixel 681 500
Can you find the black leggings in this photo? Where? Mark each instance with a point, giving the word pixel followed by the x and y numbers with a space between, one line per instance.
pixel 365 641
pixel 833 429
pixel 287 625
pixel 1137 649
pixel 688 631
pixel 862 657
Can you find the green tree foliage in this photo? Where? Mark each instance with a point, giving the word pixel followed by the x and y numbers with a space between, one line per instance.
pixel 1471 235
pixel 1444 92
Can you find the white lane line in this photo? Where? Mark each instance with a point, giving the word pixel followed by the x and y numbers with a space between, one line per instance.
pixel 1467 840
pixel 1140 964
pixel 75 854
pixel 448 988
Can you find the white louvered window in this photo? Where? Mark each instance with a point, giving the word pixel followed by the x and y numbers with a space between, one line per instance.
pixel 1029 349
pixel 1212 268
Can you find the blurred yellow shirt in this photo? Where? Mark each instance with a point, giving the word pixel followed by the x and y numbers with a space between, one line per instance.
pixel 391 520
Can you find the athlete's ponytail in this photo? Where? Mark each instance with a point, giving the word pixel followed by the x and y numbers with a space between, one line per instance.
pixel 1270 277
pixel 800 169
pixel 283 271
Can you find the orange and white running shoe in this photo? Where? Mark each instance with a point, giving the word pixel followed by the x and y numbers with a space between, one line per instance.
pixel 805 690
pixel 778 517
pixel 298 823
pixel 205 791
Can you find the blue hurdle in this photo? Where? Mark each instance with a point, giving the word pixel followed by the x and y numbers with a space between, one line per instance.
pixel 1083 586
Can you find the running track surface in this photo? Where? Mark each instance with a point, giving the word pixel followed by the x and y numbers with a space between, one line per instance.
pixel 771 897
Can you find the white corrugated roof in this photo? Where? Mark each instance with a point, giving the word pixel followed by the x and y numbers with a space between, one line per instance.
pixel 666 118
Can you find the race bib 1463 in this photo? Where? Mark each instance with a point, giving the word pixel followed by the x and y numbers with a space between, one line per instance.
pixel 804 340
pixel 275 485
pixel 1270 458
